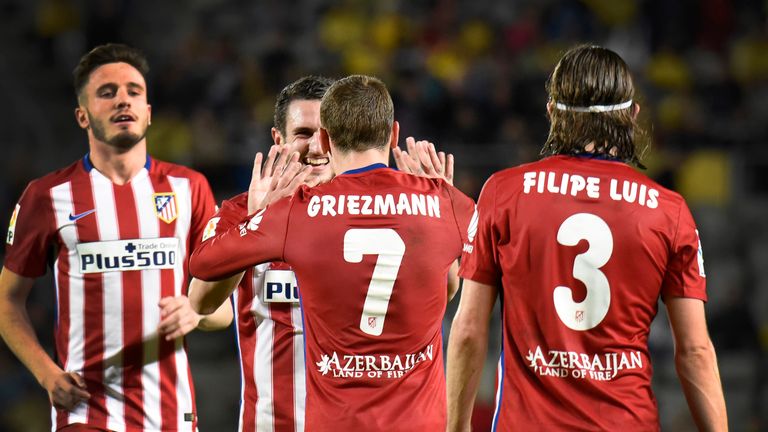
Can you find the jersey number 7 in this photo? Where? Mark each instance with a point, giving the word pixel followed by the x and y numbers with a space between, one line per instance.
pixel 387 244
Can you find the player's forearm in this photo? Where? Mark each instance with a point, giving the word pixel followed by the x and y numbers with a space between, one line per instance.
pixel 221 318
pixel 222 257
pixel 700 379
pixel 467 348
pixel 453 280
pixel 209 298
pixel 16 329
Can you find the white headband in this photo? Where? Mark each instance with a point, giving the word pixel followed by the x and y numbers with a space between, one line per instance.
pixel 594 108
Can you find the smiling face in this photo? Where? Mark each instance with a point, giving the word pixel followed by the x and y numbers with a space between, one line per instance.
pixel 113 106
pixel 302 126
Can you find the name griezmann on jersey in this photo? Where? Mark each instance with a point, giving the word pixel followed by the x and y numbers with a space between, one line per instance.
pixel 375 205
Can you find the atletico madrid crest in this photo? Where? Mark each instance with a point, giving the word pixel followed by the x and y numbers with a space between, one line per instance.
pixel 165 206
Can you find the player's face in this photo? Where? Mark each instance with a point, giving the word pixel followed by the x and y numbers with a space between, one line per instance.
pixel 302 130
pixel 114 108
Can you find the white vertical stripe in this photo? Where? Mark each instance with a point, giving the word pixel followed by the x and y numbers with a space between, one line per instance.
pixel 182 188
pixel 299 379
pixel 236 310
pixel 150 288
pixel 262 371
pixel 112 283
pixel 183 192
pixel 62 208
pixel 183 389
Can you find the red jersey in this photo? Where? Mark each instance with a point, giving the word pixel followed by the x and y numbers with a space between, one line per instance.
pixel 270 338
pixel 371 251
pixel 116 250
pixel 581 250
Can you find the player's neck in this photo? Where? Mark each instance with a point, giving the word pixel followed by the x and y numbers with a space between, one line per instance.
pixel 343 162
pixel 120 166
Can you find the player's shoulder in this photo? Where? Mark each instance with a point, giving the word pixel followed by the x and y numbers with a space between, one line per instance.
pixel 508 178
pixel 163 168
pixel 632 174
pixel 54 178
pixel 238 201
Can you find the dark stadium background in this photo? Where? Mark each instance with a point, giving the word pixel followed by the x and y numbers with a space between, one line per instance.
pixel 468 75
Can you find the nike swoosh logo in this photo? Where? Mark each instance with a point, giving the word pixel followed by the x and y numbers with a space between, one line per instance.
pixel 74 217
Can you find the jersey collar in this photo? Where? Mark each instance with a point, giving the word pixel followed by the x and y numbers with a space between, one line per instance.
pixel 366 168
pixel 89 165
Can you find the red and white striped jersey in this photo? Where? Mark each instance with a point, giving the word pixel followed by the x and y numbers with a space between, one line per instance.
pixel 116 250
pixel 270 337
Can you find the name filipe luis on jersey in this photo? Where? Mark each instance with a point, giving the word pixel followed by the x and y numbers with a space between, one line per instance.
pixel 576 185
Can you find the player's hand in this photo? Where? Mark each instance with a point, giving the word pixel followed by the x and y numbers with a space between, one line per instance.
pixel 279 176
pixel 177 317
pixel 422 159
pixel 66 390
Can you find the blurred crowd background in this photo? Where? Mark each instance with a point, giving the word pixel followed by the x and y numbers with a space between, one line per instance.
pixel 467 75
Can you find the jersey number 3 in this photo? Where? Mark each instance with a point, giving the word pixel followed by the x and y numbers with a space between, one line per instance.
pixel 586 267
pixel 389 247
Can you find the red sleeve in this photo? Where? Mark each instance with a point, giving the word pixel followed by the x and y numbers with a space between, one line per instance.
pixel 464 211
pixel 252 240
pixel 232 212
pixel 685 269
pixel 30 233
pixel 479 260
pixel 204 206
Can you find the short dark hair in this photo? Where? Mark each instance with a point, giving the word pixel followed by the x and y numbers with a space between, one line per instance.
pixel 106 54
pixel 310 87
pixel 585 76
pixel 358 113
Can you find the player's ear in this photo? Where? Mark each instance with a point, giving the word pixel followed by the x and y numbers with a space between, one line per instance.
pixel 82 118
pixel 550 106
pixel 635 110
pixel 149 114
pixel 277 138
pixel 395 134
pixel 325 141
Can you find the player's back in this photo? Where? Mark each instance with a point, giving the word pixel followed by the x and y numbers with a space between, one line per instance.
pixel 585 246
pixel 371 252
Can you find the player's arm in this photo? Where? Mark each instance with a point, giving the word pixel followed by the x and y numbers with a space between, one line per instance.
pixel 65 389
pixel 467 348
pixel 179 316
pixel 453 280
pixel 210 296
pixel 696 363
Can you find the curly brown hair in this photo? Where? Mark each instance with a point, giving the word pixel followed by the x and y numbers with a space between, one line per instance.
pixel 589 75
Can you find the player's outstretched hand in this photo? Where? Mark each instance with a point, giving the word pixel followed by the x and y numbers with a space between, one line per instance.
pixel 422 159
pixel 279 176
pixel 177 317
pixel 66 390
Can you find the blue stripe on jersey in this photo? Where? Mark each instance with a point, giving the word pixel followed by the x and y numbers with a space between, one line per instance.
pixel 500 394
pixel 366 168
pixel 88 165
pixel 236 328
pixel 500 390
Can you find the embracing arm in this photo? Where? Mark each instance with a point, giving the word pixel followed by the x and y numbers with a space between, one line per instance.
pixel 467 348
pixel 179 315
pixel 65 389
pixel 209 297
pixel 696 363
